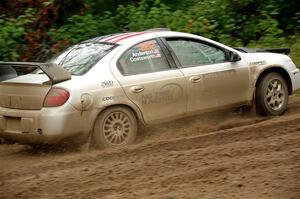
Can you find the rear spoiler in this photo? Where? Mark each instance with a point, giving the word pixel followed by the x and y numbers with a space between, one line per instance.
pixel 55 72
pixel 271 50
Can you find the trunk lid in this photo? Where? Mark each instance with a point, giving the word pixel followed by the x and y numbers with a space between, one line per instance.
pixel 29 96
pixel 28 92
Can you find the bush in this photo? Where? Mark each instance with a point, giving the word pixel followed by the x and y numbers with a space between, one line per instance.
pixel 12 35
pixel 295 50
pixel 40 30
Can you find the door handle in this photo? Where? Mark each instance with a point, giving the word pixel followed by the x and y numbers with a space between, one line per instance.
pixel 195 79
pixel 137 89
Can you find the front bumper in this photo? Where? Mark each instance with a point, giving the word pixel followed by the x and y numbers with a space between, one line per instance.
pixel 45 126
pixel 296 79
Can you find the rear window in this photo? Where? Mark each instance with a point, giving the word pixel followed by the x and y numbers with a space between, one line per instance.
pixel 82 57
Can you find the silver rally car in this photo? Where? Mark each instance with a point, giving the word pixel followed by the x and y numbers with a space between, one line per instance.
pixel 103 87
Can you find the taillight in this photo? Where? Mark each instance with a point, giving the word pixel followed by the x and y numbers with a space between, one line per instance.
pixel 56 97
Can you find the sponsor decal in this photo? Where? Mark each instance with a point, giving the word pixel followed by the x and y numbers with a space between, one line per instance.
pixel 110 98
pixel 107 84
pixel 148 45
pixel 141 56
pixel 157 97
pixel 145 51
pixel 258 63
pixel 167 94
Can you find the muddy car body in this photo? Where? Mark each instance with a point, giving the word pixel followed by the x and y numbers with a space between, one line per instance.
pixel 104 86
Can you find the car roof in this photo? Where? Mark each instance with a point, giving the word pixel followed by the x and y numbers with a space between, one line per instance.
pixel 127 38
pixel 132 38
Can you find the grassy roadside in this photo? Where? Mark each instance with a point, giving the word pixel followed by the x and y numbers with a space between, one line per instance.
pixel 295 51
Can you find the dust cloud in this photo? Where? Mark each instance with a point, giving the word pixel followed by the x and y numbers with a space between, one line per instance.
pixel 229 154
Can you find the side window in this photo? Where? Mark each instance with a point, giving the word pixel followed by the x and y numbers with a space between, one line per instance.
pixel 146 57
pixel 194 53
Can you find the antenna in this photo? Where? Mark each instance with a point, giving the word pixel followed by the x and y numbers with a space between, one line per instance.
pixel 158 29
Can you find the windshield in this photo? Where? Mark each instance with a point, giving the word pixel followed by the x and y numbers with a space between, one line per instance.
pixel 80 58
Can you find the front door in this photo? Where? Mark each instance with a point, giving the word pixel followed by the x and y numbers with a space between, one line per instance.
pixel 212 81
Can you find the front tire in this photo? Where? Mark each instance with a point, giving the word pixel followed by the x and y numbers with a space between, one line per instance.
pixel 115 127
pixel 272 95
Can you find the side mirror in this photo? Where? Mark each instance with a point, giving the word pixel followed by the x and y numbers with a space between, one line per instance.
pixel 234 57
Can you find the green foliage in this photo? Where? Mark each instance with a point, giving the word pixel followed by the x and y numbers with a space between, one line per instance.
pixel 143 16
pixel 55 24
pixel 12 32
pixel 78 28
pixel 221 20
pixel 295 50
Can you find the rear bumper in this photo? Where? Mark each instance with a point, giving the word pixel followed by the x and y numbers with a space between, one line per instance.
pixel 45 126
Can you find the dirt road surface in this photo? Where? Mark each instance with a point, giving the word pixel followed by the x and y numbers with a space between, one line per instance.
pixel 219 155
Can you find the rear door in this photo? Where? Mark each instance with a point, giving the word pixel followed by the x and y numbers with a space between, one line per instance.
pixel 151 82
pixel 212 81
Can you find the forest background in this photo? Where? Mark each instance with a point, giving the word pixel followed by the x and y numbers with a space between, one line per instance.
pixel 34 30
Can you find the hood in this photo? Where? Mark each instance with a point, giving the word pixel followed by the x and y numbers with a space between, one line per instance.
pixel 255 59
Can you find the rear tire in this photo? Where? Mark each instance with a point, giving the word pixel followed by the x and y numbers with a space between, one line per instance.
pixel 271 95
pixel 115 127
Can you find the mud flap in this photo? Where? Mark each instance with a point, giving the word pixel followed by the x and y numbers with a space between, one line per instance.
pixel 89 144
pixel 253 109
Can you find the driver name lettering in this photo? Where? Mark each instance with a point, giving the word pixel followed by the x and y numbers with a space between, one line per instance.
pixel 145 55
